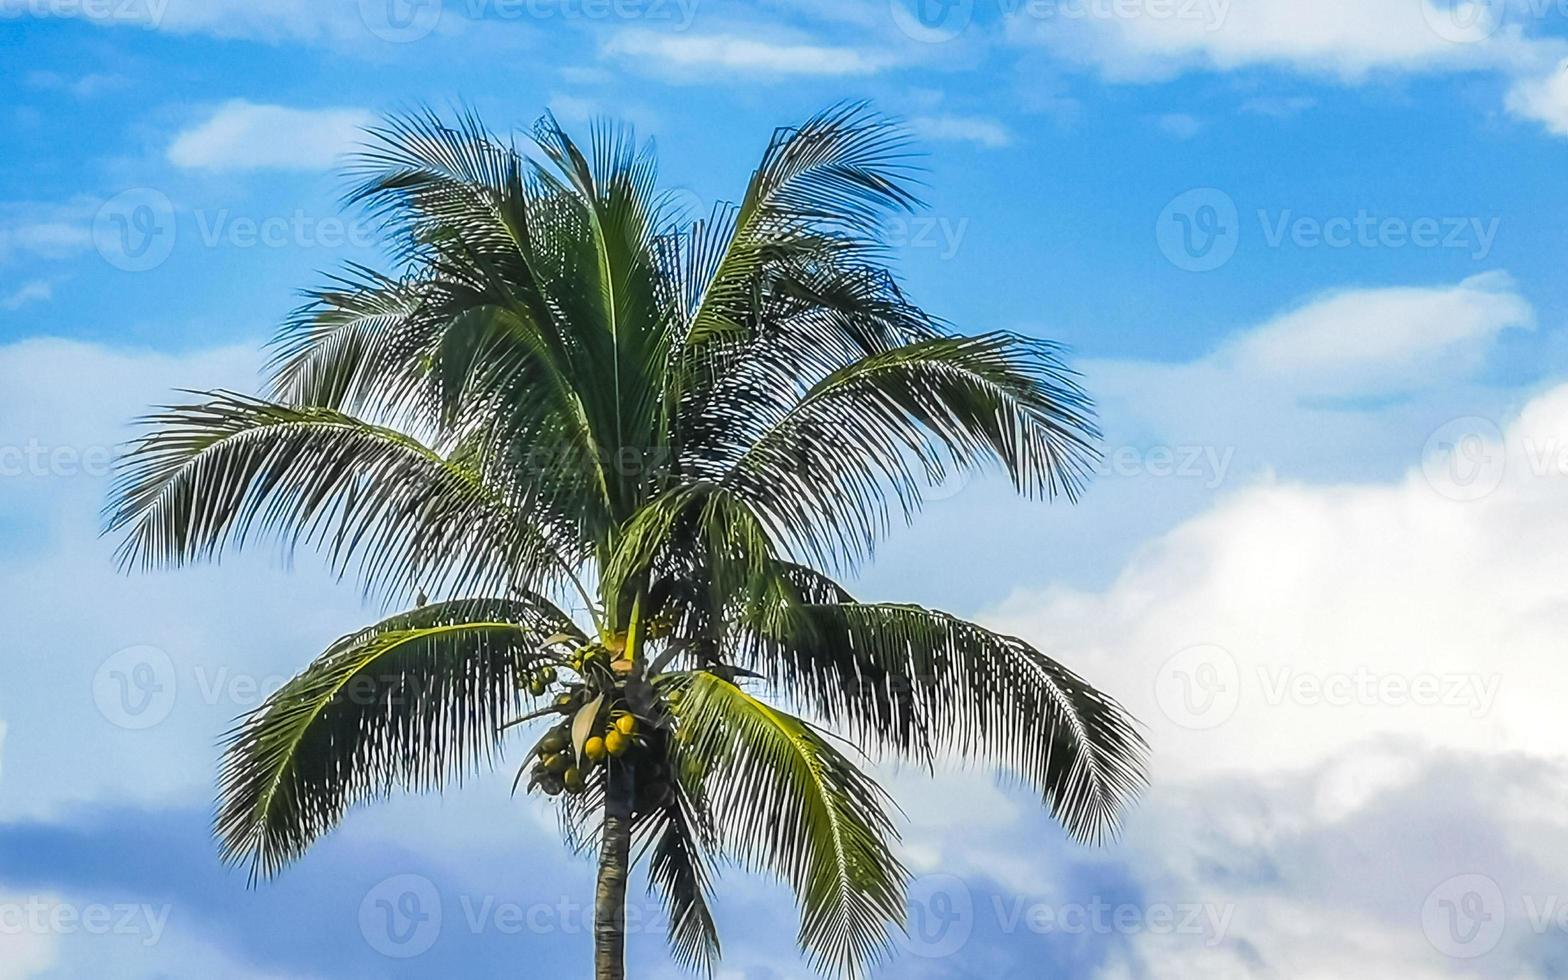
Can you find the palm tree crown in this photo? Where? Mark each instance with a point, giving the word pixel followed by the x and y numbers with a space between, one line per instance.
pixel 572 394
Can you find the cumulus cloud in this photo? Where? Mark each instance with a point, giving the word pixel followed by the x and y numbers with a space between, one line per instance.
pixel 1348 685
pixel 243 135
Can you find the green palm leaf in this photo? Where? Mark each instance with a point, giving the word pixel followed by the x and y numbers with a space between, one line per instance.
pixel 785 800
pixel 214 473
pixel 408 703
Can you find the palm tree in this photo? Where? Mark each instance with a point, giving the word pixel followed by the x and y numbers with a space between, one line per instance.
pixel 569 395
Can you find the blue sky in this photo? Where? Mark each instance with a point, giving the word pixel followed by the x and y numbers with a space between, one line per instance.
pixel 1308 257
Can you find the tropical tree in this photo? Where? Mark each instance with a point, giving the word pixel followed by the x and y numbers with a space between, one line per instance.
pixel 624 448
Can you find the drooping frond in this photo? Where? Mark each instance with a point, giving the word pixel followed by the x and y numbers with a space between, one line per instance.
pixel 919 683
pixel 679 838
pixel 784 800
pixel 408 703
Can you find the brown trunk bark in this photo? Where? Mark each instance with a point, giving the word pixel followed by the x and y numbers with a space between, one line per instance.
pixel 609 916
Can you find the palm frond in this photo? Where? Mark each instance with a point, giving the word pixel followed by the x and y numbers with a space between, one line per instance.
pixel 211 474
pixel 919 683
pixel 786 801
pixel 679 839
pixel 410 702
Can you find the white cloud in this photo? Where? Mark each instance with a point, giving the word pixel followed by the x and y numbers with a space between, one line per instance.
pixel 1543 99
pixel 47 231
pixel 739 55
pixel 1360 339
pixel 1342 38
pixel 243 135
pixel 32 291
pixel 25 953
pixel 984 132
pixel 1349 686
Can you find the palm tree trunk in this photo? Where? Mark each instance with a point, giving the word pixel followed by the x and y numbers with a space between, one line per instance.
pixel 609 918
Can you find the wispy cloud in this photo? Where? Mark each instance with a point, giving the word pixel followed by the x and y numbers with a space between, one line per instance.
pixel 242 135
pixel 46 231
pixel 739 55
pixel 82 86
pixel 32 291
pixel 1179 125
pixel 979 130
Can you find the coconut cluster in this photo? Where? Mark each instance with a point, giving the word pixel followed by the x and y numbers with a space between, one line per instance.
pixel 607 731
